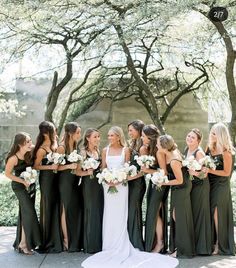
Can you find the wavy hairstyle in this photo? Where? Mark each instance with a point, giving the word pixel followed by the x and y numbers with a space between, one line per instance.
pixel 87 135
pixel 224 142
pixel 19 140
pixel 48 128
pixel 136 144
pixel 167 142
pixel 152 132
pixel 70 129
pixel 120 133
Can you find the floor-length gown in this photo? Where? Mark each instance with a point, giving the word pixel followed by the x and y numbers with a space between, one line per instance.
pixel 157 201
pixel 27 214
pixel 137 190
pixel 117 249
pixel 70 201
pixel 49 211
pixel 220 198
pixel 200 200
pixel 182 229
pixel 92 193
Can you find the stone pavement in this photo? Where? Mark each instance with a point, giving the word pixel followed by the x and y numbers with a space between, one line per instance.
pixel 11 259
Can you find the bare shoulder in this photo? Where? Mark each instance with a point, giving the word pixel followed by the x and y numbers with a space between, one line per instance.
pixel 143 150
pixel 13 160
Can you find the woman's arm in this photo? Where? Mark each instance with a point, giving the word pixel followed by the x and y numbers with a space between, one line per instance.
pixel 11 163
pixel 38 161
pixel 104 164
pixel 177 170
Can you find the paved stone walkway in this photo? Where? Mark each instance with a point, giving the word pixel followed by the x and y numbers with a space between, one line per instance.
pixel 11 259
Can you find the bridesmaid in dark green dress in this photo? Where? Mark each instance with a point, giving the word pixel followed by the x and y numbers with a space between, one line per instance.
pixel 182 242
pixel 199 197
pixel 137 188
pixel 156 215
pixel 28 231
pixel 221 150
pixel 92 193
pixel 48 181
pixel 69 191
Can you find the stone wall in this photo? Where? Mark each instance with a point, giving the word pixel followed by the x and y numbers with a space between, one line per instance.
pixel 186 115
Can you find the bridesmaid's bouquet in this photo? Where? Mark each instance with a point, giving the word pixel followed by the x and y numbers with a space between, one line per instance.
pixel 56 158
pixel 90 163
pixel 208 162
pixel 145 160
pixel 30 176
pixel 157 178
pixel 131 170
pixel 112 176
pixel 191 163
pixel 74 157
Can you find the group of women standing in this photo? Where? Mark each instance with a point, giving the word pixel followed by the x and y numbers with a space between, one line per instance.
pixel 75 211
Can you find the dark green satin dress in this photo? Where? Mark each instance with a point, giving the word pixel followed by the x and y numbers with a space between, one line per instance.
pixel 154 199
pixel 220 198
pixel 93 203
pixel 200 200
pixel 182 229
pixel 137 190
pixel 27 214
pixel 70 199
pixel 49 211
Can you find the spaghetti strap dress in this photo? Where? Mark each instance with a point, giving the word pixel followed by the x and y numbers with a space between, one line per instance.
pixel 69 197
pixel 93 203
pixel 182 229
pixel 155 199
pixel 137 190
pixel 200 200
pixel 220 198
pixel 27 214
pixel 49 210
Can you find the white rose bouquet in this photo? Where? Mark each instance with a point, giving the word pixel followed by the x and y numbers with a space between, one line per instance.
pixel 192 164
pixel 90 163
pixel 130 170
pixel 208 162
pixel 145 160
pixel 157 178
pixel 112 176
pixel 74 157
pixel 30 176
pixel 56 158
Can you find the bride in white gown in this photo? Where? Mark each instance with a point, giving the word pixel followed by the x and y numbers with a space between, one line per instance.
pixel 117 250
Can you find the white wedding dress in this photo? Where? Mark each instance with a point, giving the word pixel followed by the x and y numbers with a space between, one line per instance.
pixel 117 251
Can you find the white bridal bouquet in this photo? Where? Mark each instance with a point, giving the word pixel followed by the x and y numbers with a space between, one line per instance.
pixel 112 176
pixel 145 160
pixel 56 158
pixel 157 178
pixel 90 163
pixel 29 175
pixel 191 163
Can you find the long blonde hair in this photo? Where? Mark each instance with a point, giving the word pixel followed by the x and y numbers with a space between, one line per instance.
pixel 119 132
pixel 223 142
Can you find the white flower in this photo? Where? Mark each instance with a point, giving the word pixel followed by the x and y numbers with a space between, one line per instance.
pixel 56 158
pixel 74 157
pixel 145 160
pixel 158 177
pixel 29 175
pixel 208 162
pixel 90 163
pixel 191 163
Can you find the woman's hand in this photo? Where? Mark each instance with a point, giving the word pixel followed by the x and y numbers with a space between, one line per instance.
pixel 90 171
pixel 205 170
pixel 193 172
pixel 73 166
pixel 113 184
pixel 26 184
pixel 144 169
pixel 54 166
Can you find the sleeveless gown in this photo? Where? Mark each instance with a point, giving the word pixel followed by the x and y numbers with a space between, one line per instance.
pixel 200 200
pixel 49 211
pixel 137 190
pixel 117 248
pixel 92 193
pixel 220 198
pixel 69 193
pixel 27 214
